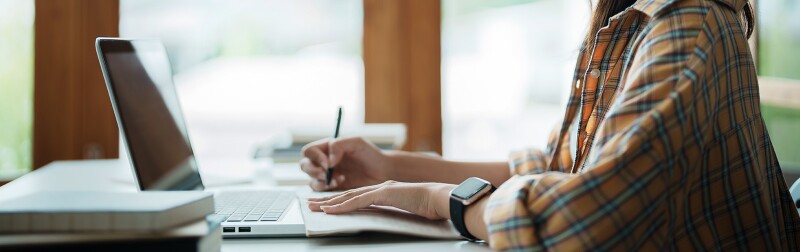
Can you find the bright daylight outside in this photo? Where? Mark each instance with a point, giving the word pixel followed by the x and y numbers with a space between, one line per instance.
pixel 243 76
pixel 16 86
pixel 506 71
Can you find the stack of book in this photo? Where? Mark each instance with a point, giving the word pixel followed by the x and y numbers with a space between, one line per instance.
pixel 110 221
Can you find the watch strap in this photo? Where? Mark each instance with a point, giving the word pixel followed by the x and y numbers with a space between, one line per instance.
pixel 457 211
pixel 457 217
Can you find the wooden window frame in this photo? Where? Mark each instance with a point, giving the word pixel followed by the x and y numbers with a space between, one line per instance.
pixel 72 116
pixel 402 65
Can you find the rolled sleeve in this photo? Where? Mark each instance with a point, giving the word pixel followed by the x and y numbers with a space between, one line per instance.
pixel 569 212
pixel 509 215
pixel 530 161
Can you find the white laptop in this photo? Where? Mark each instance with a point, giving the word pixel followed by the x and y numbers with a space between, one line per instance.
pixel 139 81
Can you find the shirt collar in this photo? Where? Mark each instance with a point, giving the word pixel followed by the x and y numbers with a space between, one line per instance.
pixel 653 7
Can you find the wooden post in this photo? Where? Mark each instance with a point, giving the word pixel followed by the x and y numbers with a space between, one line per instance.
pixel 73 118
pixel 402 63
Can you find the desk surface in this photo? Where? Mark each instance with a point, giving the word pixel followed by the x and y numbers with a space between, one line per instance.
pixel 116 175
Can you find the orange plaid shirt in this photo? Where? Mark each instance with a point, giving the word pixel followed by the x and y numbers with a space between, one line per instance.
pixel 672 152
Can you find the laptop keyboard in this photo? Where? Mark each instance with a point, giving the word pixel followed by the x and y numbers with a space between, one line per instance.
pixel 252 206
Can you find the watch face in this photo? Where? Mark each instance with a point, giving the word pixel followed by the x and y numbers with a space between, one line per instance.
pixel 469 188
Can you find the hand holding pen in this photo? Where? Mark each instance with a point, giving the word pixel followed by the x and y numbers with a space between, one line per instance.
pixel 344 163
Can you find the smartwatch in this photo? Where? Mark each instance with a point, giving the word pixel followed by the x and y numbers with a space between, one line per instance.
pixel 468 192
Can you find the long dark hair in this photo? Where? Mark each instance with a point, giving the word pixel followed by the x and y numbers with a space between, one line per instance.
pixel 606 9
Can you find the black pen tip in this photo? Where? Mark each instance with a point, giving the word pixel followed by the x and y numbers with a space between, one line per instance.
pixel 328 176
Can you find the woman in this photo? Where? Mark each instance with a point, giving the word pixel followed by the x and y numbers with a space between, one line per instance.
pixel 662 148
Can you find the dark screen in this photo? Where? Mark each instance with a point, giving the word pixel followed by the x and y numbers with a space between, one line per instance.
pixel 139 79
pixel 469 188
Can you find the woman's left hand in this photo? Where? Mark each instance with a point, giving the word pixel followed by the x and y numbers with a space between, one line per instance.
pixel 429 200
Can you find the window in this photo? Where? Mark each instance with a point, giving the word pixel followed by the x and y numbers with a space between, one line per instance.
pixel 779 37
pixel 506 70
pixel 247 71
pixel 778 54
pixel 16 86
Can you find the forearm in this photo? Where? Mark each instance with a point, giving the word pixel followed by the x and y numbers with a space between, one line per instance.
pixel 415 167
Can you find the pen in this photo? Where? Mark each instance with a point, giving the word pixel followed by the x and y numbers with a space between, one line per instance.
pixel 329 173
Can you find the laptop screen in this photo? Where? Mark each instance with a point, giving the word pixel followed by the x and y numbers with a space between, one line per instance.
pixel 139 80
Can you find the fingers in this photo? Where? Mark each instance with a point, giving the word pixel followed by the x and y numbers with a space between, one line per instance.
pixel 323 154
pixel 316 173
pixel 352 196
pixel 328 153
pixel 313 171
pixel 315 204
pixel 364 200
pixel 316 152
pixel 348 192
pixel 318 183
pixel 336 182
pixel 338 148
pixel 423 199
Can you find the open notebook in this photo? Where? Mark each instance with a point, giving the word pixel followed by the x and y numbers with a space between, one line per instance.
pixel 378 219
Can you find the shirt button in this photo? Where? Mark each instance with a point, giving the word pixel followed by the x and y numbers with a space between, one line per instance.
pixel 594 73
pixel 578 84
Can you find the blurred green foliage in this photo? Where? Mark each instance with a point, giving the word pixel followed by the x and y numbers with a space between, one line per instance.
pixel 779 56
pixel 783 124
pixel 16 82
pixel 779 38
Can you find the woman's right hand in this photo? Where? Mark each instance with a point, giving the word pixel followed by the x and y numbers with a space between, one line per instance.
pixel 356 163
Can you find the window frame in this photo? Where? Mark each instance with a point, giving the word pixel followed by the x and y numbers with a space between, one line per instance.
pixel 72 114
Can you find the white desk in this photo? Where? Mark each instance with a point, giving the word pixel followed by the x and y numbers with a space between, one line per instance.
pixel 111 175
